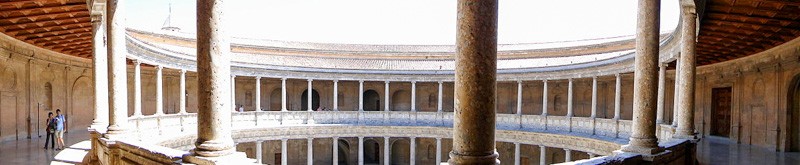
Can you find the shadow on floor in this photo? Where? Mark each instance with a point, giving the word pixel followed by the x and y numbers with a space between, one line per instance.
pixel 31 151
pixel 719 150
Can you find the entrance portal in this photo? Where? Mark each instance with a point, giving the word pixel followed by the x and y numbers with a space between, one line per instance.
pixel 721 111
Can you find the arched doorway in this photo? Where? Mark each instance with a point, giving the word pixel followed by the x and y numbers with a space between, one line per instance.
pixel 343 152
pixel 401 152
pixel 372 152
pixel 314 100
pixel 794 114
pixel 275 100
pixel 401 101
pixel 372 102
pixel 82 103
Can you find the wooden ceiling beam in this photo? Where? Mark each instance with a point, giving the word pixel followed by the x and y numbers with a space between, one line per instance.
pixel 61 41
pixel 73 35
pixel 49 28
pixel 40 23
pixel 71 45
pixel 72 14
pixel 728 9
pixel 44 9
pixel 749 17
pixel 55 33
pixel 749 26
pixel 38 2
pixel 779 1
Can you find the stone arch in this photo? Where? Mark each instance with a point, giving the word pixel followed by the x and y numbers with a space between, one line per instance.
pixel 401 101
pixel 758 108
pixel 82 103
pixel 48 96
pixel 344 151
pixel 314 100
pixel 400 152
pixel 9 79
pixel 793 111
pixel 372 151
pixel 275 100
pixel 372 101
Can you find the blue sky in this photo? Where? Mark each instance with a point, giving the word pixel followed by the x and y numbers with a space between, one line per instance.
pixel 405 22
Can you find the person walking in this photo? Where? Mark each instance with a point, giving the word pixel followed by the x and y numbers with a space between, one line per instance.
pixel 51 129
pixel 60 122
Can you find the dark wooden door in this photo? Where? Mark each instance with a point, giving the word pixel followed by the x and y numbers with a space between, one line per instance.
pixel 721 111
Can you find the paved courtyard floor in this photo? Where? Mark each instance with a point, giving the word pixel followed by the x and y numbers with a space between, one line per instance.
pixel 31 151
pixel 717 150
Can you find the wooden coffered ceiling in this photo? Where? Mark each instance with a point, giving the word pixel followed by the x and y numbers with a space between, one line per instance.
pixel 59 25
pixel 731 29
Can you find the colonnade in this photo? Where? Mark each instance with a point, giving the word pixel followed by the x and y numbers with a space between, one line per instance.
pixel 475 79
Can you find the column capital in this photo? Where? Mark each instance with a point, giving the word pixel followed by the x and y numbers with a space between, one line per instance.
pixel 413 81
pixel 283 78
pixel 360 81
pixel 440 82
pixel 183 71
pixel 137 62
pixel 663 64
pixel 545 80
pixel 309 80
pixel 258 77
pixel 519 81
pixel 159 67
pixel 594 78
pixel 335 80
pixel 387 81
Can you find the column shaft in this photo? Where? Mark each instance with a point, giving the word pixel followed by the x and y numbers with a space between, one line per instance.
pixel 594 97
pixel 361 95
pixel 309 94
pixel 183 92
pixel 100 71
pixel 519 97
pixel 335 95
pixel 310 150
pixel 213 75
pixel 284 152
pixel 618 97
pixel 544 98
pixel 475 78
pixel 117 65
pixel 662 72
pixel 542 155
pixel 386 151
pixel 439 100
pixel 413 96
pixel 569 99
pixel 259 152
pixel 687 88
pixel 360 150
pixel 438 150
pixel 258 94
pixel 386 96
pixel 645 81
pixel 568 155
pixel 233 93
pixel 336 150
pixel 516 154
pixel 283 94
pixel 137 88
pixel 413 151
pixel 159 91
pixel 676 93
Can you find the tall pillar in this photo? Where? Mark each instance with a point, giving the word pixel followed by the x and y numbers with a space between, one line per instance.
pixel 413 96
pixel 336 150
pixel 594 97
pixel 284 152
pixel 100 71
pixel 413 151
pixel 618 97
pixel 233 93
pixel 137 88
pixel 438 150
pixel 686 108
pixel 310 151
pixel 475 78
pixel 544 98
pixel 258 94
pixel 568 155
pixel 309 94
pixel 516 154
pixel 569 99
pixel 283 94
pixel 542 155
pixel 519 97
pixel 214 76
pixel 662 76
pixel 335 95
pixel 259 152
pixel 643 134
pixel 439 100
pixel 183 92
pixel 386 151
pixel 386 96
pixel 360 150
pixel 677 93
pixel 117 70
pixel 360 95
pixel 159 91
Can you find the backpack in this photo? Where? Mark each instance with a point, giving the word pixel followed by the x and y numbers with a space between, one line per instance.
pixel 51 125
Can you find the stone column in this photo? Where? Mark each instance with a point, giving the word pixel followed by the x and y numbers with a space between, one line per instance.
pixel 594 97
pixel 544 98
pixel 360 95
pixel 475 78
pixel 336 150
pixel 309 94
pixel 516 154
pixel 677 93
pixel 686 99
pixel 438 150
pixel 183 92
pixel 283 94
pixel 519 97
pixel 662 72
pixel 413 150
pixel 259 152
pixel 117 73
pixel 233 93
pixel 284 152
pixel 618 97
pixel 335 95
pixel 258 93
pixel 386 151
pixel 137 88
pixel 360 150
pixel 310 150
pixel 542 155
pixel 439 100
pixel 413 96
pixel 568 155
pixel 569 99
pixel 159 91
pixel 213 74
pixel 100 70
pixel 643 134
pixel 386 96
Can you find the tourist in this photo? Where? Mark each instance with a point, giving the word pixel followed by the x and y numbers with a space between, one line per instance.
pixel 60 122
pixel 51 128
pixel 241 108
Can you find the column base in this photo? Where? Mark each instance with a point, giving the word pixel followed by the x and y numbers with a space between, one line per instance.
pixel 456 159
pixel 233 158
pixel 115 132
pixel 691 137
pixel 213 148
pixel 641 149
